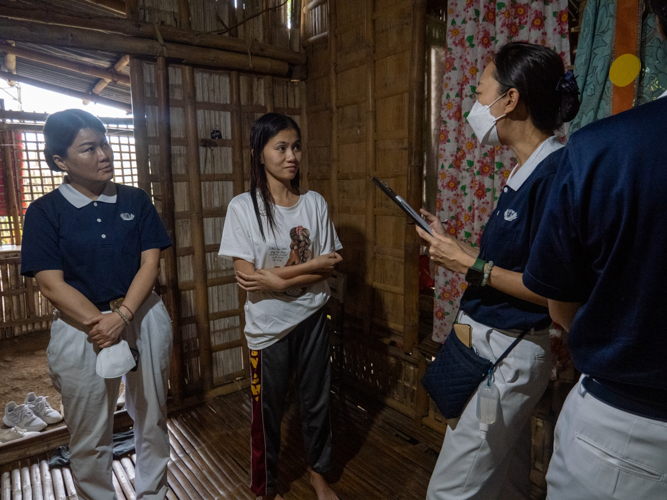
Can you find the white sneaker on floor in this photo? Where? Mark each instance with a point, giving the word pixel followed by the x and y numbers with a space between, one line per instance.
pixel 121 399
pixel 23 417
pixel 42 408
pixel 7 435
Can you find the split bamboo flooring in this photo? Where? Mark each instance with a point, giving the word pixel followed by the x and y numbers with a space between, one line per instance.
pixel 379 454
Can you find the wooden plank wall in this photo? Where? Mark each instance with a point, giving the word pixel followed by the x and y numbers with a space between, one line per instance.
pixel 359 126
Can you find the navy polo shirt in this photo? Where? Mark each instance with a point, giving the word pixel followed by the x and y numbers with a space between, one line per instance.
pixel 507 241
pixel 603 242
pixel 97 244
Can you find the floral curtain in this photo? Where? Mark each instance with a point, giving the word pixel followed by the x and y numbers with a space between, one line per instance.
pixel 470 175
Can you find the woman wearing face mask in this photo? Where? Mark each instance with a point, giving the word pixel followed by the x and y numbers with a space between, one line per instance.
pixel 523 96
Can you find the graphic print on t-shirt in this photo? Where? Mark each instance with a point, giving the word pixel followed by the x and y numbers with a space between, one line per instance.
pixel 300 253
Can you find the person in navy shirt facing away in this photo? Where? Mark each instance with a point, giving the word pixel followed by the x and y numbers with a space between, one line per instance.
pixel 600 257
pixel 88 243
pixel 522 98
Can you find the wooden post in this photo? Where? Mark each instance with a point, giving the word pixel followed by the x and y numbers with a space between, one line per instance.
pixel 173 298
pixel 10 186
pixel 269 101
pixel 237 173
pixel 370 162
pixel 140 128
pixel 414 177
pixel 333 82
pixel 196 214
pixel 303 173
pixel 266 21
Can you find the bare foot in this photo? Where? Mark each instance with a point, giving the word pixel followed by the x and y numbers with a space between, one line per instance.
pixel 275 496
pixel 322 488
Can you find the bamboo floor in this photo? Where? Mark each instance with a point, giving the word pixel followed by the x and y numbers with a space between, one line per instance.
pixel 379 454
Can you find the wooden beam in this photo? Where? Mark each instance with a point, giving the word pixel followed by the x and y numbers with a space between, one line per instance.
pixel 237 171
pixel 140 29
pixel 196 215
pixel 333 84
pixel 62 90
pixel 117 68
pixel 140 126
pixel 112 5
pixel 84 69
pixel 10 185
pixel 41 117
pixel 369 279
pixel 167 203
pixel 414 177
pixel 28 31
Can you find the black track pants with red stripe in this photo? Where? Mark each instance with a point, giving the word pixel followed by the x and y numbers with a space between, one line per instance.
pixel 305 350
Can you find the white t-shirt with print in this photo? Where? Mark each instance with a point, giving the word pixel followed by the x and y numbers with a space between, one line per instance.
pixel 302 232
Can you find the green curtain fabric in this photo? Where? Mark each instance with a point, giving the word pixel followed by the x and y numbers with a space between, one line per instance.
pixel 595 53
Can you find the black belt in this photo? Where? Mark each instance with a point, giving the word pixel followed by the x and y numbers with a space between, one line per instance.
pixel 606 394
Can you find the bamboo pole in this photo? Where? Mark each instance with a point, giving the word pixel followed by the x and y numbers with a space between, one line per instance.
pixel 196 217
pixel 140 127
pixel 266 21
pixel 62 90
pixel 117 6
pixel 415 169
pixel 370 165
pixel 333 82
pixel 268 94
pixel 117 68
pixel 140 29
pixel 10 186
pixel 58 62
pixel 33 32
pixel 237 172
pixel 303 174
pixel 168 204
pixel 10 61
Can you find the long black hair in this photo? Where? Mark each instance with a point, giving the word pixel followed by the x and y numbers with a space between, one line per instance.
pixel 61 129
pixel 538 73
pixel 263 130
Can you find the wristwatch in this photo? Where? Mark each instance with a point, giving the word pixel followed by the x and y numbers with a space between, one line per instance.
pixel 475 274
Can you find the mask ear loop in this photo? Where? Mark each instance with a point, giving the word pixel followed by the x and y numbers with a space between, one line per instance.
pixel 504 114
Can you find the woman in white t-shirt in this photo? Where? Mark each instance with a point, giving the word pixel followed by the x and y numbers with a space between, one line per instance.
pixel 284 247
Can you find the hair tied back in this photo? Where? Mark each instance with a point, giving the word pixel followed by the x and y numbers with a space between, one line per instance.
pixel 568 83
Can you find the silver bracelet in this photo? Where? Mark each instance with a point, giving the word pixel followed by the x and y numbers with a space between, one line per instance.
pixel 487 272
pixel 124 318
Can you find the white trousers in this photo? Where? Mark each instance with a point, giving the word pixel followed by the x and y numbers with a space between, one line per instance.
pixel 498 467
pixel 602 453
pixel 90 400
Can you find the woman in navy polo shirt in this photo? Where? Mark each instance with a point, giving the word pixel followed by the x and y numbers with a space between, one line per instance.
pixel 88 243
pixel 522 97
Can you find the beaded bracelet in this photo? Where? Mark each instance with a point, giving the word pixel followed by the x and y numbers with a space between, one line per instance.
pixel 487 272
pixel 124 318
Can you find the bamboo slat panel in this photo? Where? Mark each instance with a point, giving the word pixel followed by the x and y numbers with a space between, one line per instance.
pixel 23 309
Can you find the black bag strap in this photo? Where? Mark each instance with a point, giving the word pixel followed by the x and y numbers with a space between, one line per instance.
pixel 507 351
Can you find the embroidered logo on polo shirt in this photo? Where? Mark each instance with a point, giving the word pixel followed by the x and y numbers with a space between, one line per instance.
pixel 126 216
pixel 510 215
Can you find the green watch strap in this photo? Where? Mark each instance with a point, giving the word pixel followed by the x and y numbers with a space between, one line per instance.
pixel 479 265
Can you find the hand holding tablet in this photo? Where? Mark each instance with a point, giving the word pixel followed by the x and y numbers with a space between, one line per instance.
pixel 403 205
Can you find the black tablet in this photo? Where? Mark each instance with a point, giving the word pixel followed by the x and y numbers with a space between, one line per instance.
pixel 403 205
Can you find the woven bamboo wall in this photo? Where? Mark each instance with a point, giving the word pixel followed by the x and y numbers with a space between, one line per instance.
pixel 358 111
pixel 23 309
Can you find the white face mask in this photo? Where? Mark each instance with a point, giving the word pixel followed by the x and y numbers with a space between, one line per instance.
pixel 483 123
